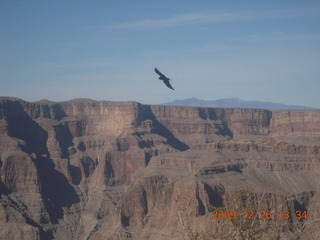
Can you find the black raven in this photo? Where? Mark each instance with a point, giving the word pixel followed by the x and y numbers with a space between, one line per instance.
pixel 164 79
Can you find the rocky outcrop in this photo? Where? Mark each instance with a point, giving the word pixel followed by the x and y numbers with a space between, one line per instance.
pixel 84 169
pixel 296 123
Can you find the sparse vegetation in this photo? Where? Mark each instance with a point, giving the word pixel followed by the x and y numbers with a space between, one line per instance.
pixel 257 217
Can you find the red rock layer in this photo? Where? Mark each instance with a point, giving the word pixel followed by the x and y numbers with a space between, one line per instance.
pixel 84 169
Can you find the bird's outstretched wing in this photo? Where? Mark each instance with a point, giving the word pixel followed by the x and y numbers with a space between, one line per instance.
pixel 166 82
pixel 160 74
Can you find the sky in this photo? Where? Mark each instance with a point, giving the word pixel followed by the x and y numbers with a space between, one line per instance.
pixel 211 49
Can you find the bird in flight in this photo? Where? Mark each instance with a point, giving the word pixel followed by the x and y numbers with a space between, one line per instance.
pixel 164 79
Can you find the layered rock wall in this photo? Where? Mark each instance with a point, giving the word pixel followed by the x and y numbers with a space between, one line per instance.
pixel 84 169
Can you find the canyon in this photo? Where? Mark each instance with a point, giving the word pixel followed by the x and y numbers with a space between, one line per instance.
pixel 85 169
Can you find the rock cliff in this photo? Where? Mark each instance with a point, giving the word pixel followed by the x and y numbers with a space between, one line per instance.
pixel 85 169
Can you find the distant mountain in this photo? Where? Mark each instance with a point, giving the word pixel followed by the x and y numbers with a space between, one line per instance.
pixel 233 103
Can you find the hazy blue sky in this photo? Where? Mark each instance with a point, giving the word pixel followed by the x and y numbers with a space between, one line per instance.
pixel 107 50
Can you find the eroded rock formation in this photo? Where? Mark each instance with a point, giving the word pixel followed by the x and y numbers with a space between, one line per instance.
pixel 84 169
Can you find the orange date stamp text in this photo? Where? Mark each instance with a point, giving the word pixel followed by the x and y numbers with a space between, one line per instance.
pixel 259 215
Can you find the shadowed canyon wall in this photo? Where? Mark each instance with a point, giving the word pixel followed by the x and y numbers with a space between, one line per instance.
pixel 87 169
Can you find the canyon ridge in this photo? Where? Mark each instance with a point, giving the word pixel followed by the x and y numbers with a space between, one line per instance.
pixel 85 169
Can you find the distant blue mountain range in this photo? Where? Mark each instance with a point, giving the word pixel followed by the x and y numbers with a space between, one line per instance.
pixel 234 103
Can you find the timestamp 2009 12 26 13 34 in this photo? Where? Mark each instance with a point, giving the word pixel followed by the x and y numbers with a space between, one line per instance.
pixel 259 215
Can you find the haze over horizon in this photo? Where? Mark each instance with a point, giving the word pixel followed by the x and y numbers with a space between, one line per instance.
pixel 103 50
